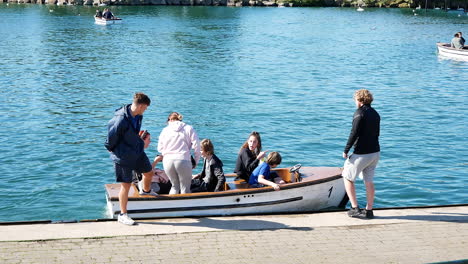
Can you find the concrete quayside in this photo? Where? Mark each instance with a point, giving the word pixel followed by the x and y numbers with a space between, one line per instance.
pixel 396 235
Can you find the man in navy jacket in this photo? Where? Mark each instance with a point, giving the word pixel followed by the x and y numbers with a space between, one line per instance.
pixel 127 150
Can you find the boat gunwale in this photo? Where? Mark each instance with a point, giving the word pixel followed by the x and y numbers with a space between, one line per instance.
pixel 105 19
pixel 204 195
pixel 210 207
pixel 446 48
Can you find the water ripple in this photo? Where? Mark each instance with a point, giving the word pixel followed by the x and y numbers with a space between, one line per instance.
pixel 288 73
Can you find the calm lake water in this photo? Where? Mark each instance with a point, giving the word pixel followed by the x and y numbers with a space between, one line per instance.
pixel 288 73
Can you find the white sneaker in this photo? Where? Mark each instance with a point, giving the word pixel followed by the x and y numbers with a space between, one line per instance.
pixel 152 193
pixel 154 186
pixel 125 219
pixel 140 185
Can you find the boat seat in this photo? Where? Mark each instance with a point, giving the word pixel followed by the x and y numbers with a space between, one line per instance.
pixel 241 184
pixel 236 184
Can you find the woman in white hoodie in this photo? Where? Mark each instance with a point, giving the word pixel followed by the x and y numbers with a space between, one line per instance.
pixel 175 142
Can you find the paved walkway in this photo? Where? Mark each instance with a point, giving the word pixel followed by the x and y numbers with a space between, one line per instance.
pixel 421 235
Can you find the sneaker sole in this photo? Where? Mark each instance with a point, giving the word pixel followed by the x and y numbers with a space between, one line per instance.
pixel 358 216
pixel 126 223
pixel 149 194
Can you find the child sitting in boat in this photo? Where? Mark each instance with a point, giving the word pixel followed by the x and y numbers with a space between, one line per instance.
pixel 249 156
pixel 456 42
pixel 261 176
pixel 98 14
pixel 108 14
pixel 211 178
pixel 160 182
pixel 462 40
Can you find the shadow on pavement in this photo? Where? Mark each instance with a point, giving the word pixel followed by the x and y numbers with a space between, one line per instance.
pixel 437 217
pixel 229 224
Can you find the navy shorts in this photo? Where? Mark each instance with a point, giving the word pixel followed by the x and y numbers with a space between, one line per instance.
pixel 125 174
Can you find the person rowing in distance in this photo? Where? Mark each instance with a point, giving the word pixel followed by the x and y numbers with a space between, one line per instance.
pixel 108 14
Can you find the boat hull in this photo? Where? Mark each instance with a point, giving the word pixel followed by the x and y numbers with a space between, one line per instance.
pixel 445 50
pixel 308 195
pixel 103 21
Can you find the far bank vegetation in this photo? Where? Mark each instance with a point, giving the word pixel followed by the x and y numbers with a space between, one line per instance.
pixel 454 4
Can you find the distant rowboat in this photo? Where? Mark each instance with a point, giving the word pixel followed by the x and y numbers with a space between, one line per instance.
pixel 103 21
pixel 447 51
pixel 310 189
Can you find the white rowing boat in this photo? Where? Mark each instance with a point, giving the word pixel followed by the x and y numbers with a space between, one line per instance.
pixel 310 189
pixel 449 52
pixel 103 21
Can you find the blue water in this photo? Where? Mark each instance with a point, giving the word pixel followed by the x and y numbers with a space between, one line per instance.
pixel 288 73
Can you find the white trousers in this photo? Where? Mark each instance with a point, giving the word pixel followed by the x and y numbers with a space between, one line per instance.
pixel 180 174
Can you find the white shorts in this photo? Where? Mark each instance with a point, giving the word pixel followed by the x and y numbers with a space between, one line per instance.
pixel 362 165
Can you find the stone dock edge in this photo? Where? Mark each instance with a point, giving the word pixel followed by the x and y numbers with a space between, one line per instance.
pixel 422 234
pixel 32 222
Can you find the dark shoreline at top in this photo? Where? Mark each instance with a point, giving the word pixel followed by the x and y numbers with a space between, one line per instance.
pixel 431 4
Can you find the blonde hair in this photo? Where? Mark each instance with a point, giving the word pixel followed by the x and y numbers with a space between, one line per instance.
pixel 174 116
pixel 274 158
pixel 363 96
pixel 207 146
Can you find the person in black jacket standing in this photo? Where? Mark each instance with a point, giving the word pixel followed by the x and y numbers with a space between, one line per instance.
pixel 364 136
pixel 127 150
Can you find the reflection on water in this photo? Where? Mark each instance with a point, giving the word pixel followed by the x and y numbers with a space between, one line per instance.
pixel 289 73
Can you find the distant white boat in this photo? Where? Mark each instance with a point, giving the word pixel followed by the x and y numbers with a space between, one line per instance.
pixel 360 9
pixel 457 10
pixel 447 51
pixel 103 21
